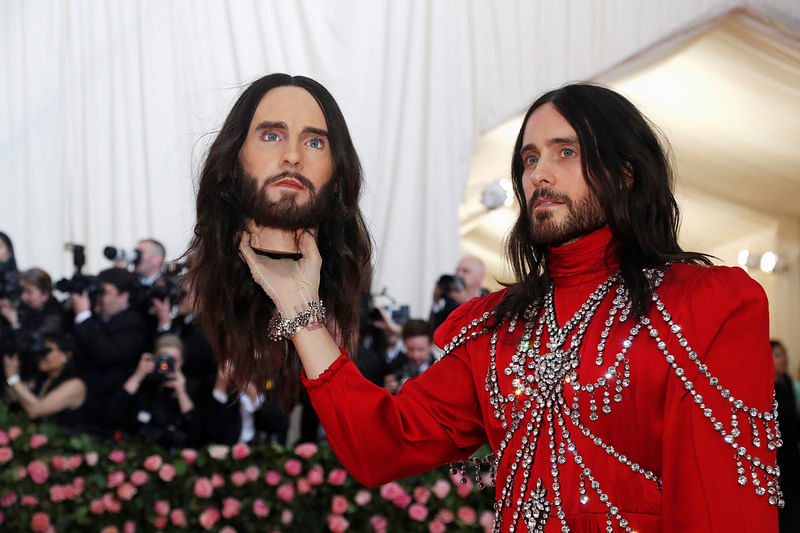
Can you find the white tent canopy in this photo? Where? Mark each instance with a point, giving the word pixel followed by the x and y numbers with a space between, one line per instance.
pixel 108 107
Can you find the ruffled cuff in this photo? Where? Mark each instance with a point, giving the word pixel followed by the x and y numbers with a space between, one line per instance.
pixel 327 374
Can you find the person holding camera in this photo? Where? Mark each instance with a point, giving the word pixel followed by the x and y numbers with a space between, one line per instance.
pixel 154 402
pixel 109 342
pixel 418 339
pixel 39 310
pixel 58 394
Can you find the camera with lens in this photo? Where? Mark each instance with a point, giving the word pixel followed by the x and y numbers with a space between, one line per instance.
pixel 9 285
pixel 168 288
pixel 130 257
pixel 165 367
pixel 28 345
pixel 448 283
pixel 79 282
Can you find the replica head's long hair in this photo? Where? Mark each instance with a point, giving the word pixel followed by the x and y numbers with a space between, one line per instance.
pixel 234 311
pixel 627 169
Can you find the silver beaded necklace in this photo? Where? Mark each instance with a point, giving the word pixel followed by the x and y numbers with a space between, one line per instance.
pixel 544 382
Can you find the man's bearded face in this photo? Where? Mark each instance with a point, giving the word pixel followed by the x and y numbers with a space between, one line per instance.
pixel 562 207
pixel 286 161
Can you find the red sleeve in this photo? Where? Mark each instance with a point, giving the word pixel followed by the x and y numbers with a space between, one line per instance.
pixel 378 437
pixel 723 316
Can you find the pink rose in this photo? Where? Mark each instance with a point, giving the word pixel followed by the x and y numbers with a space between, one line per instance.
pixel 203 488
pixel 57 462
pixel 8 499
pixel 272 478
pixel 441 489
pixel 177 517
pixel 208 518
pixel 116 456
pixel 37 441
pixel 230 507
pixel 109 529
pixel 57 494
pixel 339 505
pixel 337 477
pixel 378 523
pixel 218 451
pixel 260 508
pixel 446 516
pixel 77 483
pixel 110 503
pixel 293 467
pixel 435 526
pixel 238 478
pixel 391 490
pixel 316 475
pixel 467 515
pixel 14 432
pixel 402 501
pixel 29 500
pixel 167 473
pixel 252 472
pixel 487 520
pixel 227 529
pixel 217 481
pixel 74 462
pixel 153 462
pixel 418 512
pixel 38 472
pixel 6 454
pixel 3 438
pixel 422 495
pixel 139 477
pixel 129 527
pixel 240 450
pixel 115 479
pixel 69 492
pixel 303 486
pixel 91 458
pixel 189 455
pixel 161 507
pixel 22 472
pixel 286 517
pixel 306 450
pixel 363 497
pixel 40 522
pixel 337 523
pixel 96 506
pixel 160 522
pixel 285 492
pixel 464 489
pixel 126 491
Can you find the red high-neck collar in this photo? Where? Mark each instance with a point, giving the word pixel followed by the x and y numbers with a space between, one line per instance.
pixel 584 260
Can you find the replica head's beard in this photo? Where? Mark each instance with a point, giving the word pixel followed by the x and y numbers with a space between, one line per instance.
pixel 583 217
pixel 285 213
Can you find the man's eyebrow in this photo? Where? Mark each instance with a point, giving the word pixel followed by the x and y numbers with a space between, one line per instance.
pixel 267 124
pixel 551 142
pixel 315 131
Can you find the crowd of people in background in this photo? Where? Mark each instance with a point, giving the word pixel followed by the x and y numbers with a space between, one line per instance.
pixel 121 355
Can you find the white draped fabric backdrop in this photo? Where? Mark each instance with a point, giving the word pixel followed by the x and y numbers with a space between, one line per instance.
pixel 107 107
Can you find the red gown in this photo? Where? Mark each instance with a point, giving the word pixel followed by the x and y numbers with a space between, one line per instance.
pixel 658 427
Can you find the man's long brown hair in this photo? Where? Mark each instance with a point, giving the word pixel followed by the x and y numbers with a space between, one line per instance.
pixel 234 310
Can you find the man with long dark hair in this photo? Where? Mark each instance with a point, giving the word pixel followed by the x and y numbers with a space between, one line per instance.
pixel 622 383
pixel 283 164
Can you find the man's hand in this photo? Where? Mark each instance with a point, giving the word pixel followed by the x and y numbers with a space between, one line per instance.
pixel 163 309
pixel 290 284
pixel 146 366
pixel 8 311
pixel 80 302
pixel 177 382
pixel 11 365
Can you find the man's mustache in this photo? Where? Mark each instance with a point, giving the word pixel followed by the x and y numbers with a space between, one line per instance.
pixel 550 194
pixel 304 181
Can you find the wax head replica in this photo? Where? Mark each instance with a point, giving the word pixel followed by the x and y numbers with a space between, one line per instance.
pixel 611 171
pixel 283 163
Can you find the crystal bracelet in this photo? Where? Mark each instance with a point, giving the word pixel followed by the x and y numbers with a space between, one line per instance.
pixel 284 328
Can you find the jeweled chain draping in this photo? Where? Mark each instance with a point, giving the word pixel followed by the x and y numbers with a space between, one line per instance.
pixel 543 382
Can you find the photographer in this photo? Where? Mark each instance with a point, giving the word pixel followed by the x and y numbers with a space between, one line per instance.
pixel 150 261
pixel 418 339
pixel 58 395
pixel 108 343
pixel 154 403
pixel 39 312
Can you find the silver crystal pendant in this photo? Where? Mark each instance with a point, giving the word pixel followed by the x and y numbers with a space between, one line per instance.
pixel 536 511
